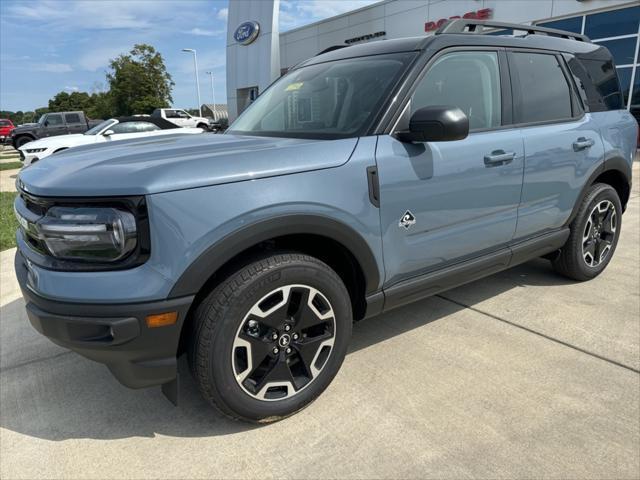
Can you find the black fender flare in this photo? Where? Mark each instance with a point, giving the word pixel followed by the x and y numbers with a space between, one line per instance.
pixel 216 255
pixel 617 164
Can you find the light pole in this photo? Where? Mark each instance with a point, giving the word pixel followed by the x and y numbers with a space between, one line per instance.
pixel 195 63
pixel 213 92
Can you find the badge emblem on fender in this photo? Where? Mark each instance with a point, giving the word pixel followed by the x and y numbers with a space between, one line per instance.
pixel 407 220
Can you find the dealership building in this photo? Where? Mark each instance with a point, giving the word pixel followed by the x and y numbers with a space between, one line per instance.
pixel 258 53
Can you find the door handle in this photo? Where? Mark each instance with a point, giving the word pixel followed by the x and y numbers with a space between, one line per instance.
pixel 498 157
pixel 582 143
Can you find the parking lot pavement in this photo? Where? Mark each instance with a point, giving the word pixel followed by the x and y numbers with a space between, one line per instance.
pixel 520 375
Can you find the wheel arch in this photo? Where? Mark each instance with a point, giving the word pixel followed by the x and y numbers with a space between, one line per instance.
pixel 329 240
pixel 616 172
pixel 23 135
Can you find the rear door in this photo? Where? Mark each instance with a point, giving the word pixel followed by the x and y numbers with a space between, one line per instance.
pixel 562 144
pixel 460 197
pixel 75 123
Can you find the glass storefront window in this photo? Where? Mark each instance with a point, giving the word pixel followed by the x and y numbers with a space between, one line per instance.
pixel 635 99
pixel 613 23
pixel 624 75
pixel 573 24
pixel 623 50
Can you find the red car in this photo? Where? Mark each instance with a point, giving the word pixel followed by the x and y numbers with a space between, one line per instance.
pixel 5 130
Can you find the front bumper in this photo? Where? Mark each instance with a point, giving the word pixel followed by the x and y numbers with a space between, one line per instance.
pixel 113 334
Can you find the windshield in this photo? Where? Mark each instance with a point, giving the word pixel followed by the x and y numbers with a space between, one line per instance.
pixel 41 120
pixel 98 128
pixel 329 100
pixel 4 123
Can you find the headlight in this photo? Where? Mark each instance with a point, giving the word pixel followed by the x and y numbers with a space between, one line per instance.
pixel 35 150
pixel 83 233
pixel 91 233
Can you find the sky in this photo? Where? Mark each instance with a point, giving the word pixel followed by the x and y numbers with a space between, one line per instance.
pixel 47 46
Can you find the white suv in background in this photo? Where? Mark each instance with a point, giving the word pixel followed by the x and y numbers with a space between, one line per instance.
pixel 181 118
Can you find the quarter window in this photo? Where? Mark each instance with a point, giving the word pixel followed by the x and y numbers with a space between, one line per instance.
pixel 544 91
pixel 467 80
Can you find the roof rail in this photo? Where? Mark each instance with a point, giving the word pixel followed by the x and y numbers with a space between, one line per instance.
pixel 480 26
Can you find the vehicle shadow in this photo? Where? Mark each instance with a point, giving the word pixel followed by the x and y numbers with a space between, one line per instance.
pixel 62 396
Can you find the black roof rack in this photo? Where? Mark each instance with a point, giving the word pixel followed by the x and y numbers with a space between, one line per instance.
pixel 480 26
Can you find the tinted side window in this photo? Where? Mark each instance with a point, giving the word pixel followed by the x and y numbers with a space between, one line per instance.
pixel 467 80
pixel 596 78
pixel 544 91
pixel 72 118
pixel 54 120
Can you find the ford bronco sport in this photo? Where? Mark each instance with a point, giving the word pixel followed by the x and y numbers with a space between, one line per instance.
pixel 366 178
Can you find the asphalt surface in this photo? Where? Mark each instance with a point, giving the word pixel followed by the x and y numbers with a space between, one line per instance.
pixel 520 375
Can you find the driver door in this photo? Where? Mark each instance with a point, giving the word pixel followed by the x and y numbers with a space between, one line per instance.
pixel 445 202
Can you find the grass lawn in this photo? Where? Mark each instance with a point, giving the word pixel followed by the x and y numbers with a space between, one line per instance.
pixel 10 165
pixel 8 222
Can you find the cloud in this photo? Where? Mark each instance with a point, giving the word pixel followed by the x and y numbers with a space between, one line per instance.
pixel 206 33
pixel 53 67
pixel 97 58
pixel 223 14
pixel 72 88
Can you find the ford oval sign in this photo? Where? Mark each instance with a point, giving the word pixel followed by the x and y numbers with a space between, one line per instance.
pixel 247 33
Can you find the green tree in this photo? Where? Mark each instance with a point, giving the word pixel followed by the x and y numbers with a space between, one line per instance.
pixel 101 106
pixel 139 81
pixel 66 102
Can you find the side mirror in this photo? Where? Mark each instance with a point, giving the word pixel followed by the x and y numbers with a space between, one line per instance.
pixel 436 123
pixel 108 133
pixel 46 123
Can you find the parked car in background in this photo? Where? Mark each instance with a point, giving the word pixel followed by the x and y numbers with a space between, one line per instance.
pixel 120 128
pixel 181 118
pixel 51 125
pixel 6 126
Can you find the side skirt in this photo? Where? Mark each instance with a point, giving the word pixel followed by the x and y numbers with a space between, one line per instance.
pixel 455 275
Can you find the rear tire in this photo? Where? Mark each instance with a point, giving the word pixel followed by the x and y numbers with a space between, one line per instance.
pixel 203 127
pixel 594 235
pixel 270 338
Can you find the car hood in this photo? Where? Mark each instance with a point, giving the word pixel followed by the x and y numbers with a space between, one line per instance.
pixel 27 127
pixel 177 162
pixel 57 141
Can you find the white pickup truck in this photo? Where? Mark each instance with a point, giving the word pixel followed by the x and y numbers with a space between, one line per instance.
pixel 182 118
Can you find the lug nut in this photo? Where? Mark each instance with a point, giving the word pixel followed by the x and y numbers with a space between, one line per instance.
pixel 287 328
pixel 274 336
pixel 294 336
pixel 288 350
pixel 275 351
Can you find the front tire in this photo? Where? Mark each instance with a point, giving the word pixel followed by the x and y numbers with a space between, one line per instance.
pixel 269 339
pixel 594 235
pixel 20 141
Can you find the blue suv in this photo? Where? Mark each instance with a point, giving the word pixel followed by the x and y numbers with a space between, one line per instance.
pixel 366 178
